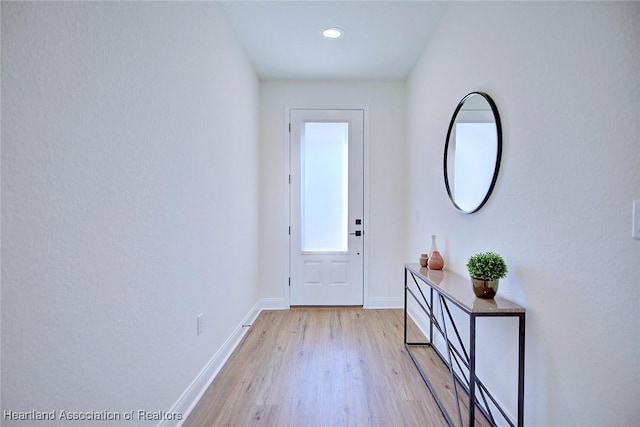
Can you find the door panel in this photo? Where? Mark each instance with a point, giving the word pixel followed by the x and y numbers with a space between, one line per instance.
pixel 326 199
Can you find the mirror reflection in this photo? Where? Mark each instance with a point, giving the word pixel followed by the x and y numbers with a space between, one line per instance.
pixel 472 152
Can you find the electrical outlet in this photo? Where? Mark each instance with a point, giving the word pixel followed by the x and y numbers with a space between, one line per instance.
pixel 199 323
pixel 635 221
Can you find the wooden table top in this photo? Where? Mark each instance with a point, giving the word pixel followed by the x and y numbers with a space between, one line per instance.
pixel 458 289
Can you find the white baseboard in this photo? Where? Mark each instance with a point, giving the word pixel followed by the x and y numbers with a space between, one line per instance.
pixel 274 304
pixel 372 303
pixel 199 385
pixel 381 302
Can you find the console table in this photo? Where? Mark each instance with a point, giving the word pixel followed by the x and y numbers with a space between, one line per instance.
pixel 429 287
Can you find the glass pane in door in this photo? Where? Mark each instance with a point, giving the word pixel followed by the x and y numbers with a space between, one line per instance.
pixel 324 187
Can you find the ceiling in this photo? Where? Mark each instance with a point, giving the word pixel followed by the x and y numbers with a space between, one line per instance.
pixel 381 41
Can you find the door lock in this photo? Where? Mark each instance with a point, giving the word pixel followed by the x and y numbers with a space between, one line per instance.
pixel 356 233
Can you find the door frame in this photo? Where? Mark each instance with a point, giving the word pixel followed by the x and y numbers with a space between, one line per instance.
pixel 287 187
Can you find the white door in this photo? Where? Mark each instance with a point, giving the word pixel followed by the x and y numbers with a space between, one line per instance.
pixel 327 204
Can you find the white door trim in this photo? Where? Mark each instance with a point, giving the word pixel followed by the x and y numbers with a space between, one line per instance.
pixel 287 158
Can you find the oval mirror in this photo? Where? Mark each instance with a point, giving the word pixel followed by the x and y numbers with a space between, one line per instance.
pixel 472 152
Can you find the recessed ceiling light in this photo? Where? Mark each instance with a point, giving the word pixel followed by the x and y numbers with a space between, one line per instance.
pixel 332 33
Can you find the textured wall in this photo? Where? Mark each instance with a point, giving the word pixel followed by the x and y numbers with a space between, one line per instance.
pixel 385 231
pixel 565 79
pixel 129 201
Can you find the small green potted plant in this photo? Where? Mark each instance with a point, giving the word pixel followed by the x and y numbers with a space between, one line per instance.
pixel 486 269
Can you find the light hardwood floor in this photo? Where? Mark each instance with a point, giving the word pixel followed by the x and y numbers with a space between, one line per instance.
pixel 322 367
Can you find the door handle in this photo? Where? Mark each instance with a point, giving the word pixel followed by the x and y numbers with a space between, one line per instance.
pixel 356 233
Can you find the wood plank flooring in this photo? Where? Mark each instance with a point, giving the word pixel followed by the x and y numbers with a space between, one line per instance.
pixel 322 367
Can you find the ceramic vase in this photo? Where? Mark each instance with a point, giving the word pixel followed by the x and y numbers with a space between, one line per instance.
pixel 423 260
pixel 436 261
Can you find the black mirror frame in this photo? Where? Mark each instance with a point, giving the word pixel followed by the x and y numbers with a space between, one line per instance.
pixel 494 109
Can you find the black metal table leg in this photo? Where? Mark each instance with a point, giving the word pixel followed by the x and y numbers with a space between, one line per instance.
pixel 472 368
pixel 521 324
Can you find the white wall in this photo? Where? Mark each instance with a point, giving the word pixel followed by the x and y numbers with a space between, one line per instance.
pixel 564 77
pixel 129 201
pixel 385 231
